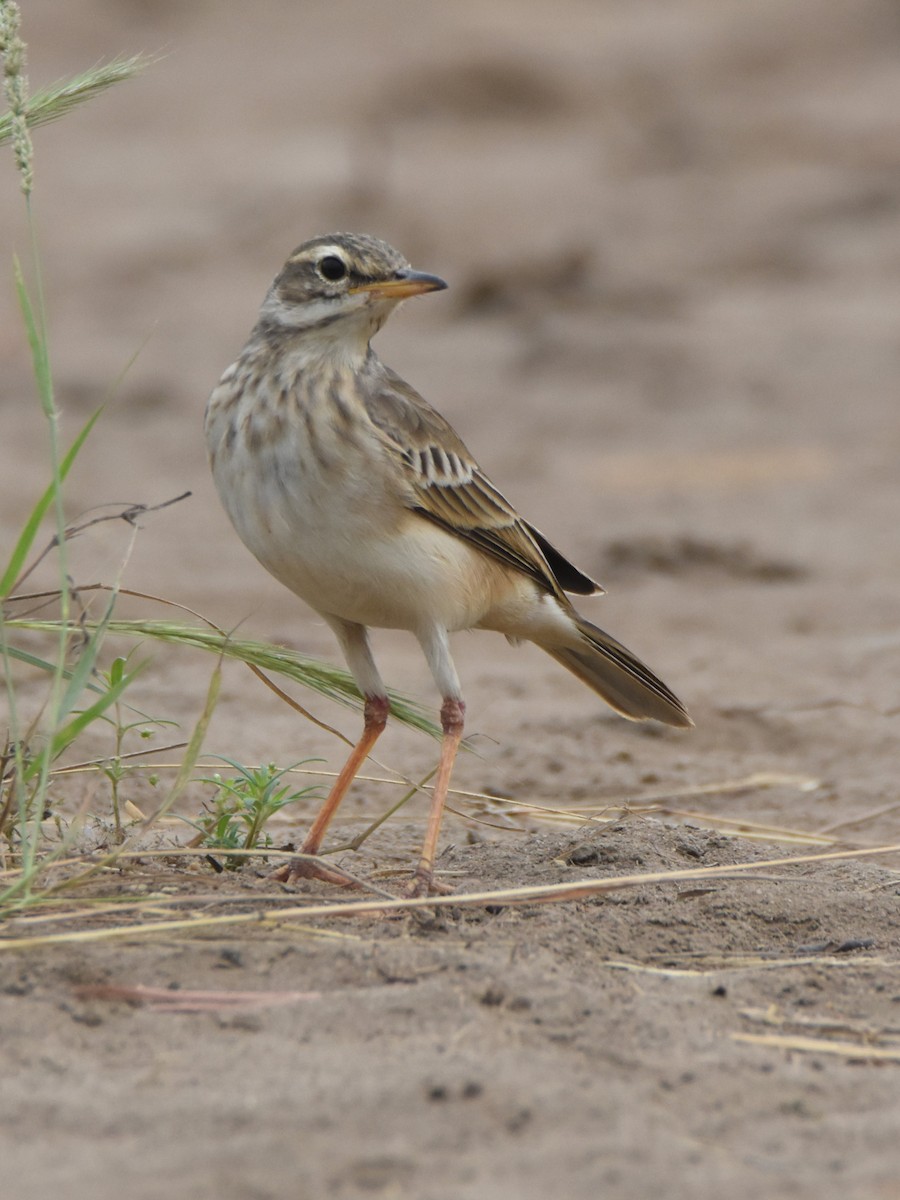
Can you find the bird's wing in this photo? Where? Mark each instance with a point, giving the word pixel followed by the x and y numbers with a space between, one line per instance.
pixel 447 486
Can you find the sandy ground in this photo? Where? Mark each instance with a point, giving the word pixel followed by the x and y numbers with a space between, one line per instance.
pixel 671 338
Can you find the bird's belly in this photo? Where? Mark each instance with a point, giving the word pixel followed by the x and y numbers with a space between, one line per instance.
pixel 352 551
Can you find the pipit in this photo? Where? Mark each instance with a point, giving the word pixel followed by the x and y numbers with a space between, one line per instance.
pixel 358 496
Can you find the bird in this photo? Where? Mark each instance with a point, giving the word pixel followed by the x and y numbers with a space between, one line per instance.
pixel 357 495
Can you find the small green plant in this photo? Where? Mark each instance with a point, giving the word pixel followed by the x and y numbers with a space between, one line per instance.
pixel 115 768
pixel 236 816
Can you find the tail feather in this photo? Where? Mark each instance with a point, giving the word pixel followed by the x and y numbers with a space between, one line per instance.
pixel 623 681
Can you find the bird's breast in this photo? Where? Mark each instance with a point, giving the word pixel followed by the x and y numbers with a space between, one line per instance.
pixel 317 495
pixel 305 480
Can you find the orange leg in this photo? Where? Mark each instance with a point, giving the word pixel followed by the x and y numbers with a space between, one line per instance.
pixel 452 717
pixel 375 718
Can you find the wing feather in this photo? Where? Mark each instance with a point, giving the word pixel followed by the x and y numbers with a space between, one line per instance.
pixel 446 485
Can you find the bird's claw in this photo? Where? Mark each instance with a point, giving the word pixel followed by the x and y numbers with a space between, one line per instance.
pixel 422 884
pixel 309 868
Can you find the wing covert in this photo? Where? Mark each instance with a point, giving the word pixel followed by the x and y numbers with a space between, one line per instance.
pixel 448 487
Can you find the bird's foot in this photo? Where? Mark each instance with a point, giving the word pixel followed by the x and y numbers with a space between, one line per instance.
pixel 310 868
pixel 423 883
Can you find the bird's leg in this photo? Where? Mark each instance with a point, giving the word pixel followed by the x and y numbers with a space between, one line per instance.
pixel 453 713
pixel 375 715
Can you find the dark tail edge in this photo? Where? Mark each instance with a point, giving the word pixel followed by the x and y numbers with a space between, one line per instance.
pixel 624 682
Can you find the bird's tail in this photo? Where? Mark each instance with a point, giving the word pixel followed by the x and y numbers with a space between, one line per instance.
pixel 623 681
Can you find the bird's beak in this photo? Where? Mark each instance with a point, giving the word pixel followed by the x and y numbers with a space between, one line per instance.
pixel 401 286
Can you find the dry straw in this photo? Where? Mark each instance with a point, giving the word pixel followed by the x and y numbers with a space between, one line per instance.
pixel 581 889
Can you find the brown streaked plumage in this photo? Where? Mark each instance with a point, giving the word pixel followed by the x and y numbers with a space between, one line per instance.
pixel 358 496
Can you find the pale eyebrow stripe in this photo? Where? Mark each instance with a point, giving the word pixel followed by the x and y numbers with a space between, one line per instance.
pixel 320 252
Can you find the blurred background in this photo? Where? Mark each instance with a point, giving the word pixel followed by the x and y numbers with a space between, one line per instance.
pixel 671 234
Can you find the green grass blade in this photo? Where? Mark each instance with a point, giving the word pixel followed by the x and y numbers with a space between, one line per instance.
pixel 36 340
pixel 323 678
pixel 43 664
pixel 23 546
pixel 77 679
pixel 320 677
pixel 55 101
pixel 194 746
pixel 66 734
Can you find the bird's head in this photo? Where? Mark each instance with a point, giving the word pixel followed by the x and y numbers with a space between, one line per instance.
pixel 342 286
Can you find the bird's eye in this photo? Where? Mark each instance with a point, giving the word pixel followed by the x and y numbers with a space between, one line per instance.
pixel 332 268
